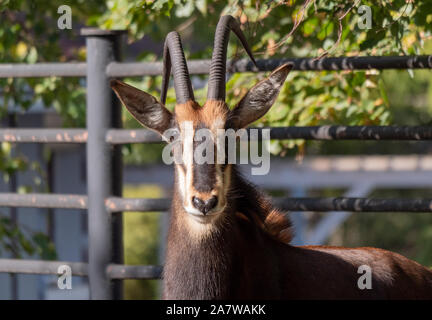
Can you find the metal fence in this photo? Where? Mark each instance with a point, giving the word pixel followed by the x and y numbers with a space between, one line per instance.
pixel 104 136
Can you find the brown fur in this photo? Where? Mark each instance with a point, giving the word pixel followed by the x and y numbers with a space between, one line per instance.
pixel 191 111
pixel 202 195
pixel 248 257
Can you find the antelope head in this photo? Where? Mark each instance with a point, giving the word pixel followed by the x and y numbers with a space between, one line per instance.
pixel 203 187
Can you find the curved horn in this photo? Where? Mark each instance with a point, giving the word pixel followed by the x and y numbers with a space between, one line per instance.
pixel 173 56
pixel 216 85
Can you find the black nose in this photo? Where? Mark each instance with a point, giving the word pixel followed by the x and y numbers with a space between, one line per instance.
pixel 204 206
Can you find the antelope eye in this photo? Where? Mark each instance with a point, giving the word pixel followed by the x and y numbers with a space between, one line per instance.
pixel 172 134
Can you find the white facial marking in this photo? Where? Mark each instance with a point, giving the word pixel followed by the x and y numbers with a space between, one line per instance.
pixel 200 225
pixel 187 134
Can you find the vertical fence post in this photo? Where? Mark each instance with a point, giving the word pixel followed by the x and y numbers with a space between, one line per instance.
pixel 102 164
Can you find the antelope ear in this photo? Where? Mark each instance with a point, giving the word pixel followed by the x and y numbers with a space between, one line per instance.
pixel 143 106
pixel 259 99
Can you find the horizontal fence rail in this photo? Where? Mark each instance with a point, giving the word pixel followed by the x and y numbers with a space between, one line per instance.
pixel 37 135
pixel 352 133
pixel 38 200
pixel 134 272
pixel 116 204
pixel 80 202
pixel 355 204
pixel 80 269
pixel 136 69
pixel 42 70
pixel 41 267
pixel 122 136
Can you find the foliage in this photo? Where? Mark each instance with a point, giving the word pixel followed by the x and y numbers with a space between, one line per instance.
pixel 8 163
pixel 29 34
pixel 18 240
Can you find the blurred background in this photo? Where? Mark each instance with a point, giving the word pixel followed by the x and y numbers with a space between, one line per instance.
pixel 29 33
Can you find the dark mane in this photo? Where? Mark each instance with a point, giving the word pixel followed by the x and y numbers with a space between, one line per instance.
pixel 251 203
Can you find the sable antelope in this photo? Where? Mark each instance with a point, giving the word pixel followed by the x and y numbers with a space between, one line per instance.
pixel 226 240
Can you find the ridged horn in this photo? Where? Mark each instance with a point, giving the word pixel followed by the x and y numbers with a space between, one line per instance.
pixel 173 56
pixel 216 85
